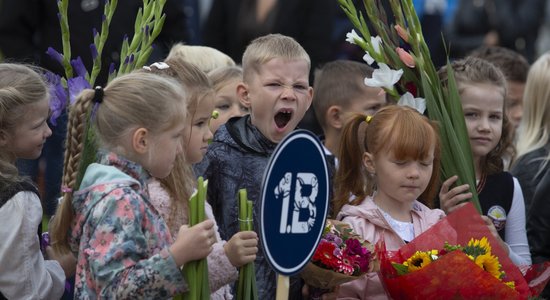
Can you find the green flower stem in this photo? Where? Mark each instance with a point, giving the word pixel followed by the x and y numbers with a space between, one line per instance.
pixel 246 286
pixel 62 6
pixel 196 272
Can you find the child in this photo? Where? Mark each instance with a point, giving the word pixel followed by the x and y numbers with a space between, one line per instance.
pixel 482 89
pixel 242 247
pixel 514 67
pixel 206 58
pixel 227 103
pixel 397 155
pixel 533 140
pixel 276 89
pixel 25 274
pixel 124 247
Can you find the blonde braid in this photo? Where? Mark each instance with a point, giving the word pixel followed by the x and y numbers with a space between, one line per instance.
pixel 77 122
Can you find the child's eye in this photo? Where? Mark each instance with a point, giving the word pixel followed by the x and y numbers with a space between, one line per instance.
pixel 496 117
pixel 200 123
pixel 400 162
pixel 470 115
pixel 300 87
pixel 223 107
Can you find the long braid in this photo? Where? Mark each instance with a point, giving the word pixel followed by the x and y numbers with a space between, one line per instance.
pixel 76 128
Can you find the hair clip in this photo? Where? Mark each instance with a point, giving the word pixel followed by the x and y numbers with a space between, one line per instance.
pixel 98 94
pixel 368 119
pixel 66 189
pixel 160 65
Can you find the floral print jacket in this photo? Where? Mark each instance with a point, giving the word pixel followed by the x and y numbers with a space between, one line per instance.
pixel 120 240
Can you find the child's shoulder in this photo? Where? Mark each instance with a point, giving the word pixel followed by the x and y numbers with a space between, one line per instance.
pixel 9 192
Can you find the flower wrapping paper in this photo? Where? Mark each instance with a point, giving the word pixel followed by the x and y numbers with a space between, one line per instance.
pixel 453 275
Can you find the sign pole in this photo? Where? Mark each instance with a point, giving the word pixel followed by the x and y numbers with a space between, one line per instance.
pixel 283 285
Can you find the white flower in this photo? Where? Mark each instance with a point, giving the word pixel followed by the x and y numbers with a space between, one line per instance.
pixel 384 77
pixel 368 58
pixel 375 42
pixel 417 103
pixel 352 36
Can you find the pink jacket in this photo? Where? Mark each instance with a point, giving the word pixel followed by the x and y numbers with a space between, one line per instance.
pixel 367 220
pixel 221 272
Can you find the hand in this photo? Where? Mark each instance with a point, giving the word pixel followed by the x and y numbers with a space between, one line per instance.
pixel 66 260
pixel 242 248
pixel 193 243
pixel 452 199
pixel 495 234
pixel 491 39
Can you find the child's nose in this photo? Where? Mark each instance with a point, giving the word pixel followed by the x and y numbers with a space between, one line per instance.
pixel 288 93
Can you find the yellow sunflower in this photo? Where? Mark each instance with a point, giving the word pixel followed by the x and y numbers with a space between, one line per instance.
pixel 489 263
pixel 510 284
pixel 418 261
pixel 480 244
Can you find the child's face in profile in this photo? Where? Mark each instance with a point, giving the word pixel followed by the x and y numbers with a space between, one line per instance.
pixel 198 134
pixel 227 104
pixel 514 102
pixel 369 102
pixel 483 106
pixel 27 139
pixel 278 95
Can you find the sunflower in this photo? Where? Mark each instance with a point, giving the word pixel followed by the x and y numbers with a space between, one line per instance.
pixel 510 284
pixel 489 263
pixel 418 261
pixel 483 244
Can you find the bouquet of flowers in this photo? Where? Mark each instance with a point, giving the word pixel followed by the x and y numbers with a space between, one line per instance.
pixel 341 256
pixel 458 258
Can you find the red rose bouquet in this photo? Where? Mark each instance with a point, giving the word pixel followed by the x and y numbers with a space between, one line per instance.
pixel 458 258
pixel 341 256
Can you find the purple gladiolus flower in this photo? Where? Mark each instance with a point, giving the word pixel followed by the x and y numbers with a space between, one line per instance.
pixel 77 85
pixel 93 49
pixel 132 58
pixel 79 67
pixel 146 30
pixel 55 55
pixel 59 16
pixel 111 68
pixel 103 18
pixel 94 32
pixel 58 96
pixel 126 60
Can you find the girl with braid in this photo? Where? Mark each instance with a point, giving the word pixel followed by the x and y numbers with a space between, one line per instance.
pixel 124 248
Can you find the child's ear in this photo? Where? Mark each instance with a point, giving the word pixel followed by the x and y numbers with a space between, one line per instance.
pixel 310 98
pixel 334 117
pixel 140 140
pixel 368 162
pixel 242 93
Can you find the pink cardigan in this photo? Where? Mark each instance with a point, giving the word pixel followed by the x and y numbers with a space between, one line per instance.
pixel 221 272
pixel 367 220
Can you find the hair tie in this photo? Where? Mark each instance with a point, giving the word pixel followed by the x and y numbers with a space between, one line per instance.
pixel 66 189
pixel 98 94
pixel 368 119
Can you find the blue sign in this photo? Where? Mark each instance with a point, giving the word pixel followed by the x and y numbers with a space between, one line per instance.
pixel 295 191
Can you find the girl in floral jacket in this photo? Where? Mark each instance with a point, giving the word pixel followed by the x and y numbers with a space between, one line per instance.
pixel 124 248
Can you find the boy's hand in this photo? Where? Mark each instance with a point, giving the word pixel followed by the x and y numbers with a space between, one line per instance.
pixel 242 248
pixel 452 199
pixel 193 243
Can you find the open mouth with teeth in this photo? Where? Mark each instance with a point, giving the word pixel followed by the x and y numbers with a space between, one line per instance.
pixel 282 118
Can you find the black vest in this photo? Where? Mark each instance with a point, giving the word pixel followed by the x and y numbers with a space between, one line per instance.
pixel 8 193
pixel 496 199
